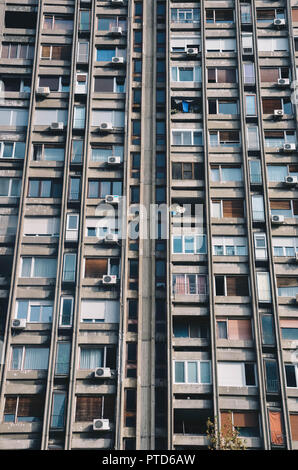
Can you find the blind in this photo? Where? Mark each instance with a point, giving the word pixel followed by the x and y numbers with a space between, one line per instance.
pixel 45 117
pixel 288 323
pixel 231 374
pixel 281 204
pixel 245 420
pixel 237 285
pixel 88 408
pixel 270 104
pixel 294 418
pixel 30 406
pixel 240 329
pixel 96 267
pixel 287 281
pixel 226 423
pixel 233 208
pixel 269 74
pixel 93 309
pixel 295 14
pixel 41 226
pixel 115 117
pixel 10 405
pixel 276 427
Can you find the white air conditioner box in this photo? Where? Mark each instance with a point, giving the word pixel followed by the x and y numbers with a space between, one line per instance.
pixel 118 60
pixel 111 238
pixel 102 372
pixel 289 147
pixel 278 113
pixel 57 126
pixel 290 180
pixel 279 22
pixel 18 324
pixel 114 160
pixel 106 126
pixel 192 51
pixel 101 425
pixel 111 199
pixel 43 91
pixel 283 82
pixel 277 219
pixel 116 30
pixel 107 279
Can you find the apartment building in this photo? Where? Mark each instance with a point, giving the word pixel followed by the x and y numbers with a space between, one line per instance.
pixel 109 341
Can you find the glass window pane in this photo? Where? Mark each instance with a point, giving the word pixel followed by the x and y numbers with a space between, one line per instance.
pixel 179 372
pixel 192 372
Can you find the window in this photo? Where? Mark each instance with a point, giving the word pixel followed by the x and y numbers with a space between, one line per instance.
pixel 58 22
pixel 185 15
pixel 8 224
pixel 291 375
pixel 10 187
pixel 97 356
pixel 34 311
pixel 99 311
pixel 48 152
pixel 13 83
pixel 66 311
pixel 258 210
pixel 38 267
pixel 69 267
pixel 234 329
pixel 287 286
pixel 187 137
pixel 276 139
pixel 100 227
pixel 77 150
pixel 231 285
pixel 181 43
pixel 219 16
pixel 272 376
pixel 266 15
pixel 252 137
pixel 219 106
pixel 84 20
pixel 107 54
pixel 55 83
pixel 190 327
pixel 224 138
pixel 271 104
pixel 236 374
pixel 245 10
pixel 272 74
pixel 116 118
pixel 250 105
pixel 58 410
pixel 101 154
pixel 190 284
pixel 289 329
pixel 229 246
pixel 246 423
pixel 187 171
pixel 13 117
pixel 83 52
pixel 249 73
pixel 285 246
pixel 14 50
pixel 98 267
pixel 12 150
pixel 276 427
pixel 189 244
pixel 44 188
pixel 72 226
pixel 221 45
pixel 268 336
pixel 222 75
pixel 285 207
pixel 186 74
pixel 62 358
pixel 106 23
pixel 225 173
pixel 19 409
pixel 45 117
pixel 100 189
pixel 89 407
pixel 273 44
pixel 255 171
pixel 109 84
pixel 227 208
pixel 294 424
pixel 50 52
pixel 264 287
pixel 278 173
pixel 260 246
pixel 29 358
pixel 74 189
pixel 79 117
pixel 192 372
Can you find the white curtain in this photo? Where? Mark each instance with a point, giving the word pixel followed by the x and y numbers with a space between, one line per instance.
pixel 36 358
pixel 91 358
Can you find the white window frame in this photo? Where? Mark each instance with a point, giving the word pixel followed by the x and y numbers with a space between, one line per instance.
pixel 220 167
pixel 91 347
pixel 66 297
pixel 191 131
pixel 243 374
pixel 24 348
pixel 198 362
pixel 224 144
pixel 196 237
pixel 34 303
pixel 42 146
pixel 225 285
pixel 184 12
pixel 11 180
pixel 2 145
pixel 220 203
pixel 33 258
pixel 10 44
pixel 60 86
pixel 196 72
pixel 226 242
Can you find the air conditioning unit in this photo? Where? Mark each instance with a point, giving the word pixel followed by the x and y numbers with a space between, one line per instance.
pixel 192 51
pixel 109 279
pixel 101 425
pixel 117 2
pixel 283 82
pixel 278 113
pixel 57 126
pixel 102 373
pixel 118 60
pixel 279 22
pixel 114 160
pixel 111 199
pixel 290 180
pixel 277 219
pixel 289 147
pixel 106 126
pixel 111 238
pixel 43 91
pixel 116 30
pixel 18 324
